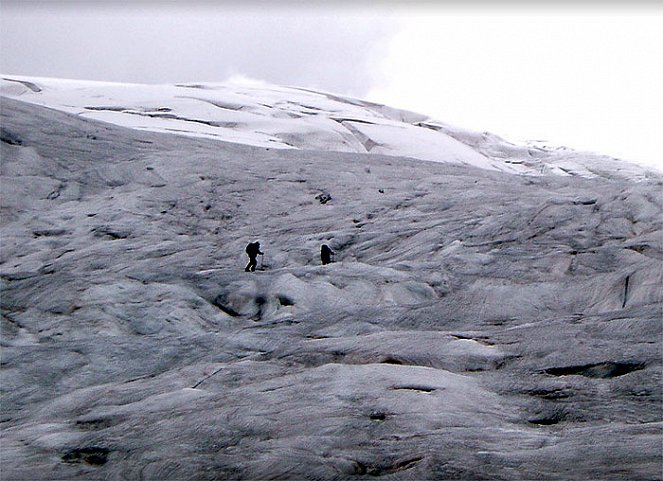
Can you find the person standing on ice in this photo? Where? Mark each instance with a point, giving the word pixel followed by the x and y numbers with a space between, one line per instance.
pixel 325 254
pixel 252 250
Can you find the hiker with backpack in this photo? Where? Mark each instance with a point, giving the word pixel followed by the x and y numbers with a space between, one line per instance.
pixel 252 250
pixel 326 254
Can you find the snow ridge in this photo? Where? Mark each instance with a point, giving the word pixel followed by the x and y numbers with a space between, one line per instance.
pixel 270 116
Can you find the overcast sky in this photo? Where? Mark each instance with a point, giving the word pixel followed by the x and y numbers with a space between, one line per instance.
pixel 582 74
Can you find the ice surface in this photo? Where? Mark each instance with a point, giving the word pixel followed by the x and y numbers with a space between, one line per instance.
pixel 476 324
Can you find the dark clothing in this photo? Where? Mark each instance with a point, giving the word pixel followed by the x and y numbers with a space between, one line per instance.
pixel 251 266
pixel 252 250
pixel 325 254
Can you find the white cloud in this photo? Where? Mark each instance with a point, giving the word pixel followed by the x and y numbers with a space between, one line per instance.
pixel 166 42
pixel 590 82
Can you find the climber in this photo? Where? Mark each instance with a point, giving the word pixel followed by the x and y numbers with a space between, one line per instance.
pixel 252 250
pixel 325 254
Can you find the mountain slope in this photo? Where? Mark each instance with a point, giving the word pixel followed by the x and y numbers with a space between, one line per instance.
pixel 476 324
pixel 286 118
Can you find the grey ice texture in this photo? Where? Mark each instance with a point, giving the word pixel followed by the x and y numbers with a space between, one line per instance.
pixel 494 311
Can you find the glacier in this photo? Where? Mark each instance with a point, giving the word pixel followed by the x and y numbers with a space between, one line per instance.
pixel 494 311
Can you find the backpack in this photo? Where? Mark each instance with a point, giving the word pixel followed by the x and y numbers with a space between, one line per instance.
pixel 252 248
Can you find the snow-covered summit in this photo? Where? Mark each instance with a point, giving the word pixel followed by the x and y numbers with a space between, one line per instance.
pixel 270 116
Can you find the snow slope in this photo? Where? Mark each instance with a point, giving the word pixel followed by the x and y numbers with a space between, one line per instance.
pixel 476 325
pixel 286 118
